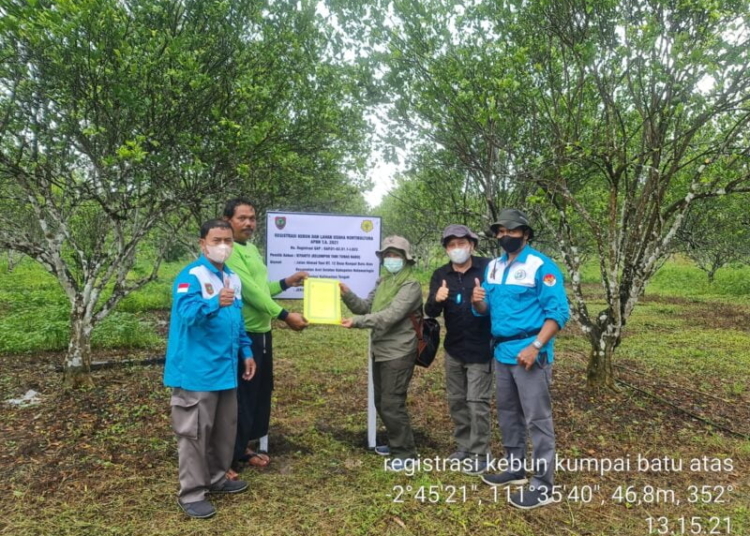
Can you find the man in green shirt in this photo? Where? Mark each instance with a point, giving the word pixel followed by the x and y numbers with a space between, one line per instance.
pixel 259 309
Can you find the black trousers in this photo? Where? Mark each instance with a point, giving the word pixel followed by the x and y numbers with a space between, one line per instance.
pixel 254 397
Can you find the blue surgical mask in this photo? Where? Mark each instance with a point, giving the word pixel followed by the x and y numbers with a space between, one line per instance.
pixel 393 264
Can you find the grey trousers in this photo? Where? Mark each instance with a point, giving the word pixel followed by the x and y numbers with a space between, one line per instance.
pixel 391 381
pixel 205 423
pixel 524 403
pixel 469 390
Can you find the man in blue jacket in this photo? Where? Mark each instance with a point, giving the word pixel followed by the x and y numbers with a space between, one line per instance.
pixel 206 338
pixel 524 295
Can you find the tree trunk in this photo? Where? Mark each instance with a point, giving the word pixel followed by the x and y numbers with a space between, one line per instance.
pixel 77 365
pixel 600 372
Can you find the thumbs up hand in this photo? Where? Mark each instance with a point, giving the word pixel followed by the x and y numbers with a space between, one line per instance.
pixel 478 294
pixel 442 293
pixel 226 296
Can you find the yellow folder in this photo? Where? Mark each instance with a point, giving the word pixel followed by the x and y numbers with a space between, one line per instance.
pixel 322 301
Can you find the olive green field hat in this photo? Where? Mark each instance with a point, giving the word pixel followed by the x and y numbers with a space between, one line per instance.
pixel 511 218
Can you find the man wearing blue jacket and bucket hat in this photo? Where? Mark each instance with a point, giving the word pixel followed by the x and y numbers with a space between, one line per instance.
pixel 524 295
pixel 206 338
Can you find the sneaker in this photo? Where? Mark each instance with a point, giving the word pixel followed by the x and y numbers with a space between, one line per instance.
pixel 400 464
pixel 504 479
pixel 475 468
pixel 382 450
pixel 198 509
pixel 229 486
pixel 528 500
pixel 459 455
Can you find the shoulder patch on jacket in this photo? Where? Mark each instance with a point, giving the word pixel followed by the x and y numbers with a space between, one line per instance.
pixel 207 280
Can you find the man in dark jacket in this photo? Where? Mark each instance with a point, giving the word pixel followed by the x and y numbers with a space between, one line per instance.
pixel 468 357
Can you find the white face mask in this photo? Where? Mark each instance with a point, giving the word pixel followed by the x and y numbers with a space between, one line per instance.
pixel 218 253
pixel 459 255
pixel 393 264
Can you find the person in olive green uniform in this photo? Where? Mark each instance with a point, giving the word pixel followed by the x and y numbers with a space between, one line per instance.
pixel 259 309
pixel 386 311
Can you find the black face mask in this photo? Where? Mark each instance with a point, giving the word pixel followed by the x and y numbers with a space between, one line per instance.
pixel 511 244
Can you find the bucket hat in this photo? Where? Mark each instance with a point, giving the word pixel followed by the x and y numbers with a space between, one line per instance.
pixel 511 218
pixel 397 243
pixel 459 231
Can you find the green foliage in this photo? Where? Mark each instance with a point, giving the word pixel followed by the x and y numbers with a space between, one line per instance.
pixel 122 120
pixel 607 120
pixel 125 330
pixel 33 330
pixel 716 233
pixel 690 281
pixel 56 453
pixel 682 277
pixel 35 314
pixel 434 193
pixel 157 295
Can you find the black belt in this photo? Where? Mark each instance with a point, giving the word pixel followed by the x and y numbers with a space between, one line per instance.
pixel 523 335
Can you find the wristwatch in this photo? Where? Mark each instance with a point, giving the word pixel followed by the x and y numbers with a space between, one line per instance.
pixel 537 344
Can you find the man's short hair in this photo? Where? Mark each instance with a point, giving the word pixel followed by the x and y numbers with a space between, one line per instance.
pixel 214 224
pixel 232 205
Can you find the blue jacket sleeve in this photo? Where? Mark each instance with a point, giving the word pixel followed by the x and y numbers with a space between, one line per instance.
pixel 551 294
pixel 189 302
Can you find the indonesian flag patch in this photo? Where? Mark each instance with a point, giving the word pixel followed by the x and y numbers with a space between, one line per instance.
pixel 182 288
pixel 549 280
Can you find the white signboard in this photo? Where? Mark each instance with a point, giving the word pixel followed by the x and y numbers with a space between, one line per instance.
pixel 325 245
pixel 330 246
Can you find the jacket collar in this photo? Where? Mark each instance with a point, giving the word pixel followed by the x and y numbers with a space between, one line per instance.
pixel 202 260
pixel 522 255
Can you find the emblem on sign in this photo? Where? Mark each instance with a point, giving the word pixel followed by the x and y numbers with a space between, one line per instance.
pixel 367 226
pixel 280 222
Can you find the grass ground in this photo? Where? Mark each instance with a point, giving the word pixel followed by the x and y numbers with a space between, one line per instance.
pixel 103 461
